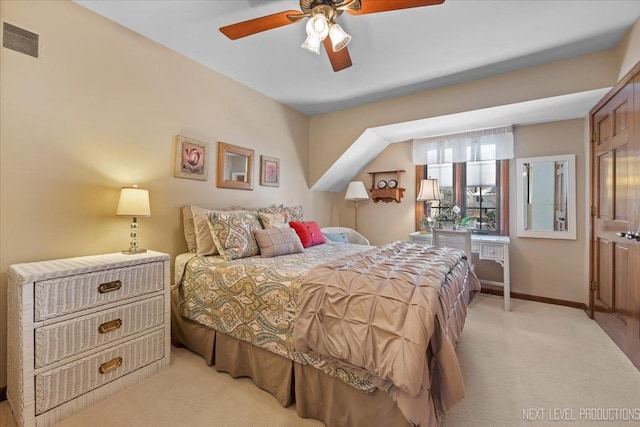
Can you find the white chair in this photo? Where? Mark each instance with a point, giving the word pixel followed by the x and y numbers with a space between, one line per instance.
pixel 454 239
pixel 352 235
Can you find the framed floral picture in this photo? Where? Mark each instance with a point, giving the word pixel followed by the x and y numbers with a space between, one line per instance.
pixel 191 158
pixel 269 171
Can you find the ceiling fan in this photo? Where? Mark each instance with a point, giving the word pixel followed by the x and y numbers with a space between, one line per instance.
pixel 322 26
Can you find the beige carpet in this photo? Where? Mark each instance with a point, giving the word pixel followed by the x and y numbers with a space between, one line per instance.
pixel 539 356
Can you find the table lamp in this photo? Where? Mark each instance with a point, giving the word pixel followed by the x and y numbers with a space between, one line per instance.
pixel 429 192
pixel 134 202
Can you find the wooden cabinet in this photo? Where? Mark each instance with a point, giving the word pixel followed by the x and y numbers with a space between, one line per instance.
pixel 80 329
pixel 386 186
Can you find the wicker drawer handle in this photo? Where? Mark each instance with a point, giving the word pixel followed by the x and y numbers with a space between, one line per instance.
pixel 109 326
pixel 110 365
pixel 110 286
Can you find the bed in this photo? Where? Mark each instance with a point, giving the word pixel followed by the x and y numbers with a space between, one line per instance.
pixel 240 316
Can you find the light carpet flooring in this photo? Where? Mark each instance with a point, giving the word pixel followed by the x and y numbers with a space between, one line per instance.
pixel 538 356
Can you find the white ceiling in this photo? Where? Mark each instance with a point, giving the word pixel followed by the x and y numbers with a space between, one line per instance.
pixel 394 53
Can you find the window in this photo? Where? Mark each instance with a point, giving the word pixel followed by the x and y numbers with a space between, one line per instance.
pixel 479 189
pixel 444 174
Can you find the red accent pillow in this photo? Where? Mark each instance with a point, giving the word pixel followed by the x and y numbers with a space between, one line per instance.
pixel 308 232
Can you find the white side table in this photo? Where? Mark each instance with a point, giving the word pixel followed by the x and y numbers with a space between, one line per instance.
pixel 490 247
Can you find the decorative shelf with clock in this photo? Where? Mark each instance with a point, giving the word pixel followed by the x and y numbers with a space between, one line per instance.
pixel 386 187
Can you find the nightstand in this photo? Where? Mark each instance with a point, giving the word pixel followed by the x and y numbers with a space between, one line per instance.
pixel 81 329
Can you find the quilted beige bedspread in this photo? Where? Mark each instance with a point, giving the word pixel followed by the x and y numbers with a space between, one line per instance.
pixel 379 310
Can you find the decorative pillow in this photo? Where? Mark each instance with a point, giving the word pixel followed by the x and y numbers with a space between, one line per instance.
pixel 233 233
pixel 278 241
pixel 204 239
pixel 337 237
pixel 308 232
pixel 295 213
pixel 278 220
pixel 189 228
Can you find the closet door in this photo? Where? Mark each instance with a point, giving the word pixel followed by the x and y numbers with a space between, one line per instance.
pixel 634 224
pixel 615 303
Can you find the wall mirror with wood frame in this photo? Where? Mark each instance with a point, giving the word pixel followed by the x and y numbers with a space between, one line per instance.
pixel 235 167
pixel 547 197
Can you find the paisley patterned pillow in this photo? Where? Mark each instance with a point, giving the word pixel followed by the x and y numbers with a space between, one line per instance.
pixel 233 233
pixel 294 213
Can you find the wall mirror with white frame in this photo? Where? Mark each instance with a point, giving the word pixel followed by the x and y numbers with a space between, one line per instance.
pixel 546 197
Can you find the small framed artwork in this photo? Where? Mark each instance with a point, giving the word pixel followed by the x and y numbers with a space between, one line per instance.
pixel 191 158
pixel 269 171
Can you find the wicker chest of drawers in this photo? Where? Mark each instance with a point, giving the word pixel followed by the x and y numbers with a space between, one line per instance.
pixel 80 329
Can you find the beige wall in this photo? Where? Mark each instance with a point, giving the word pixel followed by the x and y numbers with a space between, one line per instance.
pixel 383 222
pixel 98 112
pixel 628 50
pixel 550 267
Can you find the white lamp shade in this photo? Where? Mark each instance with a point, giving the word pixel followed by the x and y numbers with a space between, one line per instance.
pixel 133 202
pixel 429 190
pixel 339 38
pixel 356 191
pixel 312 44
pixel 318 26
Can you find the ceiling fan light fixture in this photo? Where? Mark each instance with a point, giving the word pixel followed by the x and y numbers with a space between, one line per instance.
pixel 339 37
pixel 318 26
pixel 312 44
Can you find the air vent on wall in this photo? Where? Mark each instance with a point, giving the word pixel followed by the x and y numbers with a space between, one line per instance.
pixel 20 40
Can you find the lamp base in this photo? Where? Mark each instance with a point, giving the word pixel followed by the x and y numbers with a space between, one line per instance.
pixel 133 252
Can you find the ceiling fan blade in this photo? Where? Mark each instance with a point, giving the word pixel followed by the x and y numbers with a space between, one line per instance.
pixel 373 6
pixel 340 59
pixel 258 25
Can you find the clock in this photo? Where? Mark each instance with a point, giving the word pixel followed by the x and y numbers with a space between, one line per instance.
pixel 382 184
pixel 424 225
pixel 392 183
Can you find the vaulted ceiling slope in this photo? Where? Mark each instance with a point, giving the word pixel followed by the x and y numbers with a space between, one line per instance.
pixel 394 53
pixel 374 140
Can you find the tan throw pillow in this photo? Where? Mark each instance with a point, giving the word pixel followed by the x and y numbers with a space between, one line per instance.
pixel 233 233
pixel 278 220
pixel 189 228
pixel 278 241
pixel 204 239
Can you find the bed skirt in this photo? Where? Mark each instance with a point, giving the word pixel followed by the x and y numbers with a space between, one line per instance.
pixel 316 394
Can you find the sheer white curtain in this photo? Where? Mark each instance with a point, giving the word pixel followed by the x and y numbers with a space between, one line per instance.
pixel 486 144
